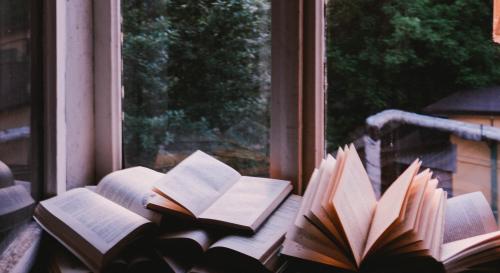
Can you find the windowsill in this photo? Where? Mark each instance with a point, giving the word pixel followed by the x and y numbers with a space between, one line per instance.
pixel 21 248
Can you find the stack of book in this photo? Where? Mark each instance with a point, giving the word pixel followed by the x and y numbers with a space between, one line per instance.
pixel 202 216
pixel 342 226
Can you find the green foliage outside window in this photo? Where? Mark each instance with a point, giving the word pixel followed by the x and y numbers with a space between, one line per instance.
pixel 193 68
pixel 403 54
pixel 200 68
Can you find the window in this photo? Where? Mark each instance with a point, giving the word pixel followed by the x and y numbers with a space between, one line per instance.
pixel 430 59
pixel 20 115
pixel 196 75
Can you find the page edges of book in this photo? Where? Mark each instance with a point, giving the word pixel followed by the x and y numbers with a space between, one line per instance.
pixel 86 262
pixel 268 237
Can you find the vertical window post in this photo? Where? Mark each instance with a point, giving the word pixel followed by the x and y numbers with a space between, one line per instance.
pixel 297 102
pixel 286 92
pixel 54 113
pixel 107 84
pixel 314 87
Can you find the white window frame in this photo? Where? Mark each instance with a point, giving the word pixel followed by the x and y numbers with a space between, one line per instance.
pixel 54 114
pixel 82 75
pixel 298 89
pixel 298 92
pixel 108 86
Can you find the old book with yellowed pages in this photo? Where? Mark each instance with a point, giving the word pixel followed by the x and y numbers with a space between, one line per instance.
pixel 202 250
pixel 471 238
pixel 206 189
pixel 97 224
pixel 341 223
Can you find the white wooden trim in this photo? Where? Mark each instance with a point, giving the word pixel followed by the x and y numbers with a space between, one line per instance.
pixel 298 90
pixel 82 115
pixel 79 94
pixel 297 69
pixel 55 114
pixel 61 95
pixel 286 92
pixel 314 87
pixel 107 81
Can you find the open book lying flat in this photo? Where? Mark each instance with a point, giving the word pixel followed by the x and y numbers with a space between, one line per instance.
pixel 341 224
pixel 97 225
pixel 200 250
pixel 204 188
pixel 471 238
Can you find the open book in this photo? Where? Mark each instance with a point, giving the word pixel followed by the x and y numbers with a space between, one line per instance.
pixel 200 250
pixel 96 225
pixel 341 224
pixel 471 238
pixel 204 188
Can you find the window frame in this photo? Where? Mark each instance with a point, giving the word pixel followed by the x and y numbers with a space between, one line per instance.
pixel 108 86
pixel 54 114
pixel 33 98
pixel 37 107
pixel 297 142
pixel 298 89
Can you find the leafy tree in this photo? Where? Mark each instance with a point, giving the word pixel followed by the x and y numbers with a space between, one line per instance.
pixel 403 54
pixel 145 56
pixel 215 62
pixel 192 67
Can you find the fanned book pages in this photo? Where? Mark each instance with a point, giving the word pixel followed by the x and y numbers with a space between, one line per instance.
pixel 341 224
pixel 200 250
pixel 96 224
pixel 206 189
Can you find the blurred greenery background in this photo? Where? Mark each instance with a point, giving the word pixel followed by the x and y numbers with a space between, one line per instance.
pixel 197 72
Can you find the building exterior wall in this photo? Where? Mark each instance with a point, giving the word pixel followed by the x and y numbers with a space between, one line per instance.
pixel 474 160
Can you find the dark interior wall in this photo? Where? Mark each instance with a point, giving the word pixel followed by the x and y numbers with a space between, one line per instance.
pixel 14 54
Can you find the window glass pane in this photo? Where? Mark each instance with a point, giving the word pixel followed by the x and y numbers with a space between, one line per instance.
pixel 433 58
pixel 18 136
pixel 196 76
